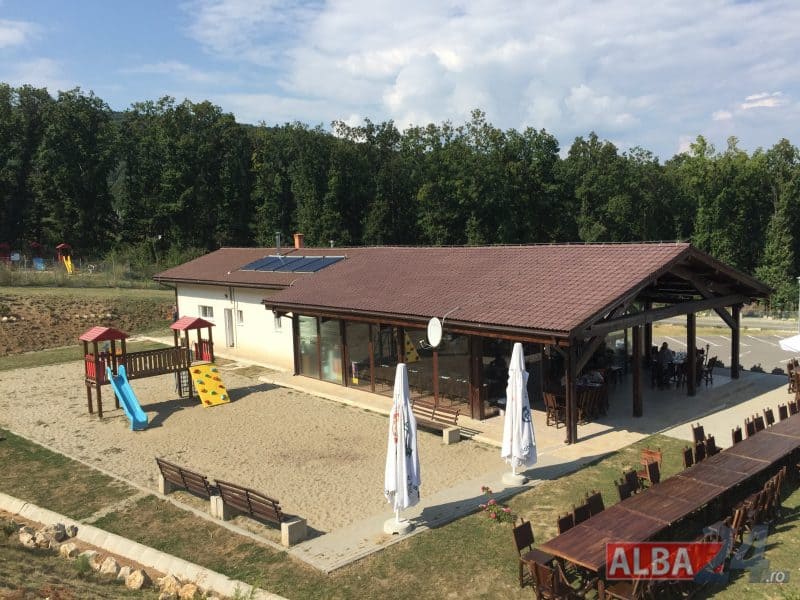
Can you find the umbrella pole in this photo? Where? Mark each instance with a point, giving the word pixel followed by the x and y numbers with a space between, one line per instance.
pixel 397 515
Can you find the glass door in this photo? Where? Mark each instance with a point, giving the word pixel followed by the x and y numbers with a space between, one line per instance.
pixel 331 349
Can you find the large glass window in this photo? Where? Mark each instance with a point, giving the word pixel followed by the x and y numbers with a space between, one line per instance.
pixel 358 371
pixel 331 347
pixel 419 358
pixel 385 346
pixel 309 346
pixel 454 369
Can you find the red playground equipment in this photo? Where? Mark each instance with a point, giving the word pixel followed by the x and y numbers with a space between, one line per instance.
pixel 147 363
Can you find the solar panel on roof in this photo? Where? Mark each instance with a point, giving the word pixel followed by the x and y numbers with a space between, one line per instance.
pixel 291 264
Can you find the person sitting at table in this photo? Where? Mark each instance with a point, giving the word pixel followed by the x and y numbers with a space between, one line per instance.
pixel 663 363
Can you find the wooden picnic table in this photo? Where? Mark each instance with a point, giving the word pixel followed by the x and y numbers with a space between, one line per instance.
pixel 789 427
pixel 643 516
pixel 766 446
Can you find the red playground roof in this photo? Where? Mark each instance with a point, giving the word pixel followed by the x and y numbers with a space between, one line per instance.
pixel 102 334
pixel 187 323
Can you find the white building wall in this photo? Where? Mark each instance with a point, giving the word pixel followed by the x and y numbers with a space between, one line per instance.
pixel 256 338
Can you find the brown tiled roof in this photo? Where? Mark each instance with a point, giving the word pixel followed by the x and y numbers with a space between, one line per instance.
pixel 552 288
pixel 222 267
pixel 187 323
pixel 102 334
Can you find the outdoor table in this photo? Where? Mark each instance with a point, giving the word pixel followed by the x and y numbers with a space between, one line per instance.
pixel 730 462
pixel 788 427
pixel 715 475
pixel 666 509
pixel 622 523
pixel 694 492
pixel 582 546
pixel 765 446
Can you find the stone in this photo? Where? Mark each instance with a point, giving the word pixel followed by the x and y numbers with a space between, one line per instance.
pixel 137 580
pixel 109 567
pixel 57 532
pixel 72 530
pixel 169 584
pixel 27 538
pixel 167 596
pixel 42 539
pixel 189 591
pixel 124 572
pixel 68 550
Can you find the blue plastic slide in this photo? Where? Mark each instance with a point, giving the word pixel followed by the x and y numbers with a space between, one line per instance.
pixel 128 399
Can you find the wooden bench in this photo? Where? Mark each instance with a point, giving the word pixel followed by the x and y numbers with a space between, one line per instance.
pixel 249 502
pixel 439 418
pixel 173 476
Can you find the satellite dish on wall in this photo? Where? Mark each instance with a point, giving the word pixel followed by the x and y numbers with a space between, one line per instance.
pixel 434 332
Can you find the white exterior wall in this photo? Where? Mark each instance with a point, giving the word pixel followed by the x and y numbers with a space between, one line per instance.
pixel 256 338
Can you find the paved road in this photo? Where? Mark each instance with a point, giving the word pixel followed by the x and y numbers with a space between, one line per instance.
pixel 756 347
pixel 763 323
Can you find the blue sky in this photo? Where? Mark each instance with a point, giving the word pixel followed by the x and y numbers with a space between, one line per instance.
pixel 638 73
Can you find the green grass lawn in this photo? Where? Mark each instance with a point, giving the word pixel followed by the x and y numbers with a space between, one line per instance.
pixel 51 480
pixel 55 356
pixel 473 557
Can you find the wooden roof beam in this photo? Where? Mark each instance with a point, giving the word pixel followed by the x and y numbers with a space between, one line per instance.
pixel 707 292
pixel 658 314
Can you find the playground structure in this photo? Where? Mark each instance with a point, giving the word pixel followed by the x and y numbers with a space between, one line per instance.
pixel 116 366
pixel 64 256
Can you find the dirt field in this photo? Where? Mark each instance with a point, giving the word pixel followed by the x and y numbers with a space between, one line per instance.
pixel 39 318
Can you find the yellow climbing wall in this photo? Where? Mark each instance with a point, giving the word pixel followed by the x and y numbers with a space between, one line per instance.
pixel 209 386
pixel 411 351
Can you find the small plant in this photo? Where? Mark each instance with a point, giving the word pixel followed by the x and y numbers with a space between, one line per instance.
pixel 82 565
pixel 756 368
pixel 10 528
pixel 494 510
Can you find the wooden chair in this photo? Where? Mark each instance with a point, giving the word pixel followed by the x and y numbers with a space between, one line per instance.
pixel 697 433
pixel 651 473
pixel 708 370
pixel 556 411
pixel 585 405
pixel 699 452
pixel 769 417
pixel 736 435
pixel 783 412
pixel 636 589
pixel 648 455
pixel 551 583
pixel 688 459
pixel 632 478
pixel 624 488
pixel 759 421
pixel 528 555
pixel 565 523
pixel 711 446
pixel 790 375
pixel 581 513
pixel 793 408
pixel 749 427
pixel 594 501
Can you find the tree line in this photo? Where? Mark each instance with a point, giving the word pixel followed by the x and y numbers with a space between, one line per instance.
pixel 165 179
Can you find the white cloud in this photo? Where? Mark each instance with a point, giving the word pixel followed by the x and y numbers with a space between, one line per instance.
pixel 16 33
pixel 628 71
pixel 38 72
pixel 763 100
pixel 181 71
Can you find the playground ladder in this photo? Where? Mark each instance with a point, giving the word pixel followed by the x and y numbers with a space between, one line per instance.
pixel 183 384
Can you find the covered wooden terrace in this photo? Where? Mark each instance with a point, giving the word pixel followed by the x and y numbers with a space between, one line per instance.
pixel 569 298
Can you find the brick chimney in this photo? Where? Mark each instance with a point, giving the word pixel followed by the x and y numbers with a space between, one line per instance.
pixel 298 241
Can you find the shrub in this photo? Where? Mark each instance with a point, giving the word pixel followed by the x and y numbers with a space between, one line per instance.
pixel 494 510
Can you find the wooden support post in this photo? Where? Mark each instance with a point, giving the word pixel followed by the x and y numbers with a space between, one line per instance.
pixel 98 378
pixel 345 354
pixel 572 400
pixel 636 365
pixel 435 377
pixel 89 397
pixel 296 344
pixel 735 332
pixel 625 348
pixel 372 357
pixel 476 377
pixel 211 344
pixel 114 368
pixel 99 400
pixel 648 331
pixel 691 354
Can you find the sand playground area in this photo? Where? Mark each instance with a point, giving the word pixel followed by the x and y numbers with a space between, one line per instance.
pixel 324 461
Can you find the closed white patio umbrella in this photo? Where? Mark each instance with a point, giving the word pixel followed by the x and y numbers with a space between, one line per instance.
pixel 519 444
pixel 401 477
